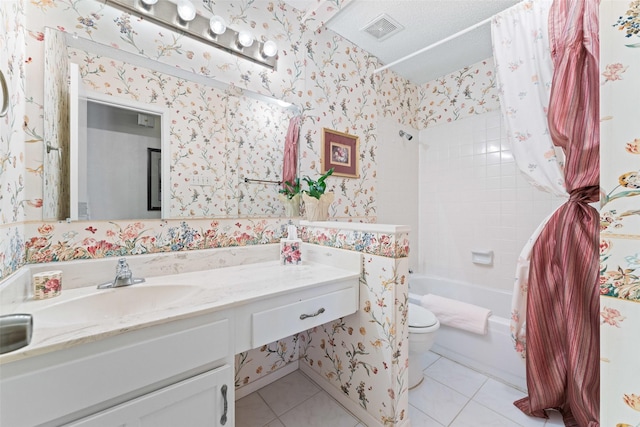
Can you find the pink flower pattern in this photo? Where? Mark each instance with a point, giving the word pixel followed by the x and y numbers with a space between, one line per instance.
pixel 613 72
pixel 611 316
pixel 290 253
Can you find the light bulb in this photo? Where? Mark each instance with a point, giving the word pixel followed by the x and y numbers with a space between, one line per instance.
pixel 186 10
pixel 245 38
pixel 269 49
pixel 149 2
pixel 217 25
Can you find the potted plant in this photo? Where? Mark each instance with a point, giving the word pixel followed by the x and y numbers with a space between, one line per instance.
pixel 316 201
pixel 290 197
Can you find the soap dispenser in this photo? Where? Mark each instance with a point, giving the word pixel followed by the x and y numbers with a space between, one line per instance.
pixel 290 247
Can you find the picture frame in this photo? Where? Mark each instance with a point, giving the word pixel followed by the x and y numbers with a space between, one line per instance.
pixel 340 151
pixel 154 179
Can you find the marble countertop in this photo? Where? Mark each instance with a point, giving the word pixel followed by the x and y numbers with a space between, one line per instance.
pixel 209 291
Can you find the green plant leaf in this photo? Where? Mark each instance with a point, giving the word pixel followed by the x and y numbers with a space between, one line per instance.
pixel 317 187
pixel 291 189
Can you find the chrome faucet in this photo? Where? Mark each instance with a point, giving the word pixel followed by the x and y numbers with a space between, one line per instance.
pixel 124 277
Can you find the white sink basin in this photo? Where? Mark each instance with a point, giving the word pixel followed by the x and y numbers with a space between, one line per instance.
pixel 114 303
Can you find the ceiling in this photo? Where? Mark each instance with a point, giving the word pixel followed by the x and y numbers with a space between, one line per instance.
pixel 424 22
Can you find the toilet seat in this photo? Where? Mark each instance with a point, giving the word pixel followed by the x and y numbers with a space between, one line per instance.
pixel 420 317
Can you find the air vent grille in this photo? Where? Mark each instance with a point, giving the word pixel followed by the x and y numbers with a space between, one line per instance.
pixel 382 27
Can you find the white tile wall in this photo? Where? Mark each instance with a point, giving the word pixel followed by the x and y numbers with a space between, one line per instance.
pixel 473 197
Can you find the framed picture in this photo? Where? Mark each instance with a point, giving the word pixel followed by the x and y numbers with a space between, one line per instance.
pixel 154 179
pixel 340 152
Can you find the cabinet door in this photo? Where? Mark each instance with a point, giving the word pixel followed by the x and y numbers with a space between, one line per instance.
pixel 204 400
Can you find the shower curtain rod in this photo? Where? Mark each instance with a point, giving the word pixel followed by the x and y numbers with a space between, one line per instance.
pixel 431 46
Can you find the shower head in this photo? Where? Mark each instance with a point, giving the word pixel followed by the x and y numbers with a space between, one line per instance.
pixel 406 135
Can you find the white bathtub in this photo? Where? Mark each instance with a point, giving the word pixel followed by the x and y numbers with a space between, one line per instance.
pixel 492 354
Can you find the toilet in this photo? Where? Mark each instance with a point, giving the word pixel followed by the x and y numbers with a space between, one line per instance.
pixel 423 325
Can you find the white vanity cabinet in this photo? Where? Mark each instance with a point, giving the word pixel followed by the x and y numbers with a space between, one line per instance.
pixel 179 370
pixel 201 401
pixel 170 366
pixel 272 319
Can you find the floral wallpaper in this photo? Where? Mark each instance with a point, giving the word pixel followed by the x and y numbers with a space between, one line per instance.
pixel 317 14
pixel 13 164
pixel 258 130
pixel 325 75
pixel 466 92
pixel 330 79
pixel 619 214
pixel 620 176
pixel 258 363
pixel 366 355
pixel 66 241
pixel 383 244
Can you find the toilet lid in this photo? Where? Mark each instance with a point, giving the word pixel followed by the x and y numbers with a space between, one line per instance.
pixel 420 317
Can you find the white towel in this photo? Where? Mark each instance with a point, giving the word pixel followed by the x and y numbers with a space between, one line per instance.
pixel 458 314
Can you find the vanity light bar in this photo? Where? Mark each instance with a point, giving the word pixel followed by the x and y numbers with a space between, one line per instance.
pixel 165 13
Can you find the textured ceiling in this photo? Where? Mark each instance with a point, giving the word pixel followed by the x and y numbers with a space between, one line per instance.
pixel 425 22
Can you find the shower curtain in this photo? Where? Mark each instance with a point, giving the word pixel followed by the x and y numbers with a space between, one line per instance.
pixel 524 72
pixel 561 292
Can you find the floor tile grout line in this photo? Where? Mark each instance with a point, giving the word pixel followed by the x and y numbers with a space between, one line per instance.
pixel 493 410
pixel 486 374
pixel 319 389
pixel 295 406
pixel 452 389
pixel 332 398
pixel 449 387
pixel 358 421
pixel 433 362
pixel 458 414
pixel 270 408
pixel 486 379
pixel 421 411
pixel 469 399
pixel 439 357
pixel 501 414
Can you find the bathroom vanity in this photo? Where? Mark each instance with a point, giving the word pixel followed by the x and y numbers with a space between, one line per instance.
pixel 161 353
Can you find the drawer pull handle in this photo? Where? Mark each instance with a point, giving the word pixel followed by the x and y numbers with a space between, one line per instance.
pixel 317 313
pixel 223 418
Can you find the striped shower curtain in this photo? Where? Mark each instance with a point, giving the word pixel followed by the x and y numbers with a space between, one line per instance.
pixel 562 333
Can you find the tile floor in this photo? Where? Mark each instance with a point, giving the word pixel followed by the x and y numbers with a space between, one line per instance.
pixel 450 395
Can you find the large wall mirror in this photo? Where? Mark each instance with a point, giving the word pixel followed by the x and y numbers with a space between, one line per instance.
pixel 222 152
pixel 117 164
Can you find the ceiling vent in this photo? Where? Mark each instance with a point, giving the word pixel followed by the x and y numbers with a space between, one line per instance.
pixel 382 27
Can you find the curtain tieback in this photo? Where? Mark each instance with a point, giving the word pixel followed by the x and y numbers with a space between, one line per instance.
pixel 585 194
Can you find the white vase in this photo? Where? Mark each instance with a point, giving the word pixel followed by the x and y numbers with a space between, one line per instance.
pixel 317 209
pixel 291 205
